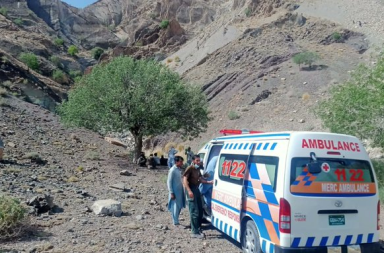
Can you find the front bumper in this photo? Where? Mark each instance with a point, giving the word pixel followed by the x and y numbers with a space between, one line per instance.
pixel 362 248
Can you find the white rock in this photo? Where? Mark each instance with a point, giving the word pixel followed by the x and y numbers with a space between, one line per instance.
pixel 107 207
pixel 304 83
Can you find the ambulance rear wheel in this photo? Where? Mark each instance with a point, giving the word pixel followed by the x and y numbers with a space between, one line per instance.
pixel 250 239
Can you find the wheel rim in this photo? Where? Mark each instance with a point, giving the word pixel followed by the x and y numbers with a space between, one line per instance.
pixel 249 241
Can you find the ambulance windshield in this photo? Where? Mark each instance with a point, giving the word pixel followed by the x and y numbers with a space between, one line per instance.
pixel 337 177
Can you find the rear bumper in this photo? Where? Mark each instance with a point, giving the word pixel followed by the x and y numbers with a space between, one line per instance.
pixel 364 248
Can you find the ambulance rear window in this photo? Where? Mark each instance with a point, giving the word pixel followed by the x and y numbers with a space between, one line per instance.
pixel 337 177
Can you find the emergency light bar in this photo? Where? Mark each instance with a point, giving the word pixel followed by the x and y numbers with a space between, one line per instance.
pixel 235 131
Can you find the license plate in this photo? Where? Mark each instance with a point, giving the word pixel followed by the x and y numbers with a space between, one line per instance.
pixel 336 220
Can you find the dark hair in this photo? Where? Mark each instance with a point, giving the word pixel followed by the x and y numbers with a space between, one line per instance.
pixel 195 156
pixel 179 158
pixel 155 154
pixel 151 154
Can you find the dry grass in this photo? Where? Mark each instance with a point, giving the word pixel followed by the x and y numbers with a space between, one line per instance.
pixel 169 60
pixel 72 179
pixel 168 146
pixel 180 148
pixel 41 178
pixel 94 156
pixel 11 170
pixel 177 59
pixel 305 96
pixel 80 169
pixel 159 152
pixel 3 92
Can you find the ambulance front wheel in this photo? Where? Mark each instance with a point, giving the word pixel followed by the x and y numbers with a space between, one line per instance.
pixel 250 239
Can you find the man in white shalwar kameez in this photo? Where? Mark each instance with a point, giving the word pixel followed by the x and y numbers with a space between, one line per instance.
pixel 176 199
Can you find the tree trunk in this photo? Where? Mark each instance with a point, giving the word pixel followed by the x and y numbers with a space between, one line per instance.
pixel 138 145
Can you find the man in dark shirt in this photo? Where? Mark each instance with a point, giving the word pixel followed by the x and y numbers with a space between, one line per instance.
pixel 192 179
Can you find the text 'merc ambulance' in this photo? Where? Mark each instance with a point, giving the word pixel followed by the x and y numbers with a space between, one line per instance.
pixel 294 192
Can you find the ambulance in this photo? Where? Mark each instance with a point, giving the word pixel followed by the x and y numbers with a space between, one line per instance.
pixel 294 192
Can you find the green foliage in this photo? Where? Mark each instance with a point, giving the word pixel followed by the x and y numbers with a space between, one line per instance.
pixel 75 74
pixel 141 96
pixel 336 36
pixel 97 52
pixel 73 50
pixel 233 115
pixel 378 165
pixel 59 42
pixel 248 12
pixel 164 24
pixel 356 107
pixel 307 58
pixel 18 22
pixel 4 11
pixel 12 217
pixel 58 76
pixel 30 60
pixel 55 60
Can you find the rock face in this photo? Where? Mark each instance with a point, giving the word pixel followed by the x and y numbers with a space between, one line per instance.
pixel 107 207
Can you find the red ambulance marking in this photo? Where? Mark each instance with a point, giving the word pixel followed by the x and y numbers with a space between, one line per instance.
pixel 330 145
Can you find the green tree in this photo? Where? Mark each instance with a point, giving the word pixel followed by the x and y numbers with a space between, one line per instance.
pixel 307 58
pixel 357 106
pixel 30 60
pixel 141 96
pixel 164 24
pixel 59 42
pixel 73 50
pixel 97 52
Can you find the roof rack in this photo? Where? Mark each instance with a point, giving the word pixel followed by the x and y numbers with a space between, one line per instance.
pixel 226 132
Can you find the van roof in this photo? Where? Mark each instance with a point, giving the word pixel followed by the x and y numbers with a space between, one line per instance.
pixel 277 135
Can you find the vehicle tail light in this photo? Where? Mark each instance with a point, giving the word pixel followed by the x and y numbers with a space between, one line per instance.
pixel 378 215
pixel 285 216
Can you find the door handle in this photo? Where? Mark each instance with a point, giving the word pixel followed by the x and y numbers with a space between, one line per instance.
pixel 215 182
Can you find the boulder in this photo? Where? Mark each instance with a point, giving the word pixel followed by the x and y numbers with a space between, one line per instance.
pixel 107 207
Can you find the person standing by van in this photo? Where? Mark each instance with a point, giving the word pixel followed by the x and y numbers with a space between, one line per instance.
pixel 171 157
pixel 192 179
pixel 176 200
pixel 190 155
pixel 206 189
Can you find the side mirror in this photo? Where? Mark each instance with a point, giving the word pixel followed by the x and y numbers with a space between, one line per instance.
pixel 314 168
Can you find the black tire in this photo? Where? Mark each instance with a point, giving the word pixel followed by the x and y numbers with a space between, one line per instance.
pixel 250 241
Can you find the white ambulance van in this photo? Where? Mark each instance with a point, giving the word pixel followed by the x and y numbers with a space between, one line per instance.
pixel 294 192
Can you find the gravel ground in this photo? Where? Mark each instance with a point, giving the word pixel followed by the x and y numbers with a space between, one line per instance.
pixel 80 167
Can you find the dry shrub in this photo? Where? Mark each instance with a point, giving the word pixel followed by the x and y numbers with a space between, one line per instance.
pixel 159 152
pixel 168 146
pixel 177 59
pixel 13 217
pixel 72 179
pixel 94 156
pixel 3 92
pixel 306 96
pixel 169 60
pixel 180 148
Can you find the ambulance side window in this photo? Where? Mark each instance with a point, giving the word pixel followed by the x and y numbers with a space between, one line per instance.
pixel 202 155
pixel 269 164
pixel 232 168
